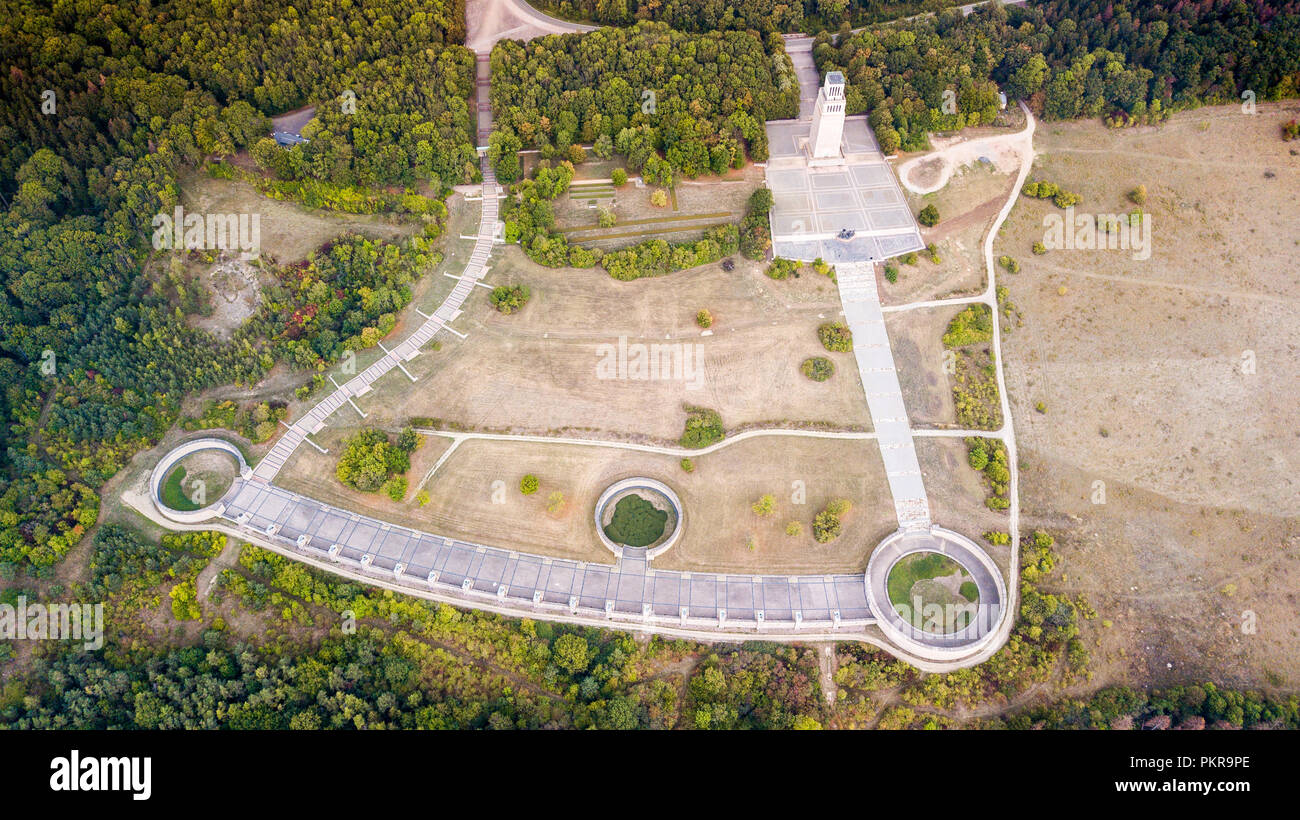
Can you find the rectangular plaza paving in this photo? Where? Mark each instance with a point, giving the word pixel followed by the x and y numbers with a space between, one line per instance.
pixel 630 587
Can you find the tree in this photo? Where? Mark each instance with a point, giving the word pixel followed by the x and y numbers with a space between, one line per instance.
pixel 619 177
pixel 529 484
pixel 929 216
pixel 570 653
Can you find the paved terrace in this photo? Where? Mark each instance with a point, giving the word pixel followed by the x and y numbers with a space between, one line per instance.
pixel 628 590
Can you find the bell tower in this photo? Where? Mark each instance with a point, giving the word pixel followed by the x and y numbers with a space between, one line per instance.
pixel 828 118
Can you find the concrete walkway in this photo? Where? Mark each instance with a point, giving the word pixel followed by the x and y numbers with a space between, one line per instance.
pixel 857 283
pixel 269 467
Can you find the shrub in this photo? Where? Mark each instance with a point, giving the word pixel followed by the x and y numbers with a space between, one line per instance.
pixel 891 274
pixel 395 487
pixel 1011 265
pixel 688 465
pixel 974 325
pixel 781 268
pixel 1138 196
pixel 619 177
pixel 704 319
pixel 929 216
pixel 422 497
pixel 932 251
pixel 703 427
pixel 760 202
pixel 555 502
pixel 827 525
pixel 605 218
pixel 818 368
pixel 836 337
pixel 765 505
pixel 793 529
pixel 910 258
pixel 659 198
pixel 1039 249
pixel 1000 539
pixel 529 484
pixel 509 298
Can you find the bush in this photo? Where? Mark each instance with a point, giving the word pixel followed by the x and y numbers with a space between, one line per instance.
pixel 932 251
pixel 760 202
pixel 781 268
pixel 395 488
pixel 509 298
pixel 891 274
pixel 619 177
pixel 688 465
pixel 659 198
pixel 1011 265
pixel 605 218
pixel 703 427
pixel 529 484
pixel 793 529
pixel 818 368
pixel 827 525
pixel 836 337
pixel 910 258
pixel 1138 196
pixel 929 216
pixel 704 319
pixel 974 325
pixel 1039 249
pixel 766 505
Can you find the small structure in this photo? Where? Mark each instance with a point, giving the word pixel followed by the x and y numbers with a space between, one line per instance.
pixel 287 140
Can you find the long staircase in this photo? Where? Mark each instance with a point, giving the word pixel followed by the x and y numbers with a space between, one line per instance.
pixel 410 347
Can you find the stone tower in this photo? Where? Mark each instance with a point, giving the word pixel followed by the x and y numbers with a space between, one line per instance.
pixel 828 118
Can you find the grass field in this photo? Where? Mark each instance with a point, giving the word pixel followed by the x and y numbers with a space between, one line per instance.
pixel 1165 458
pixel 932 579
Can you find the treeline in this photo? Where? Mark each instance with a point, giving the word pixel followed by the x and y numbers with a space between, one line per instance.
pixel 411 664
pixel 108 103
pixel 695 102
pixel 761 15
pixel 1127 61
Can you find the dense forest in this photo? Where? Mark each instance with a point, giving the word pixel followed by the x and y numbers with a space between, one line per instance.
pixel 1127 61
pixel 760 15
pixel 104 105
pixel 700 100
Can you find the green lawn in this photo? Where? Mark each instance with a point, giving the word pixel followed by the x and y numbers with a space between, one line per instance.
pixel 916 577
pixel 172 493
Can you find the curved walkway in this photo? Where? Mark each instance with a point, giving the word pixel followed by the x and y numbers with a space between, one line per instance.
pixel 985 574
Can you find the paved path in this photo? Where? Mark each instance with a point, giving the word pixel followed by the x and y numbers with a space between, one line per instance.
pixel 857 284
pixel 404 351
